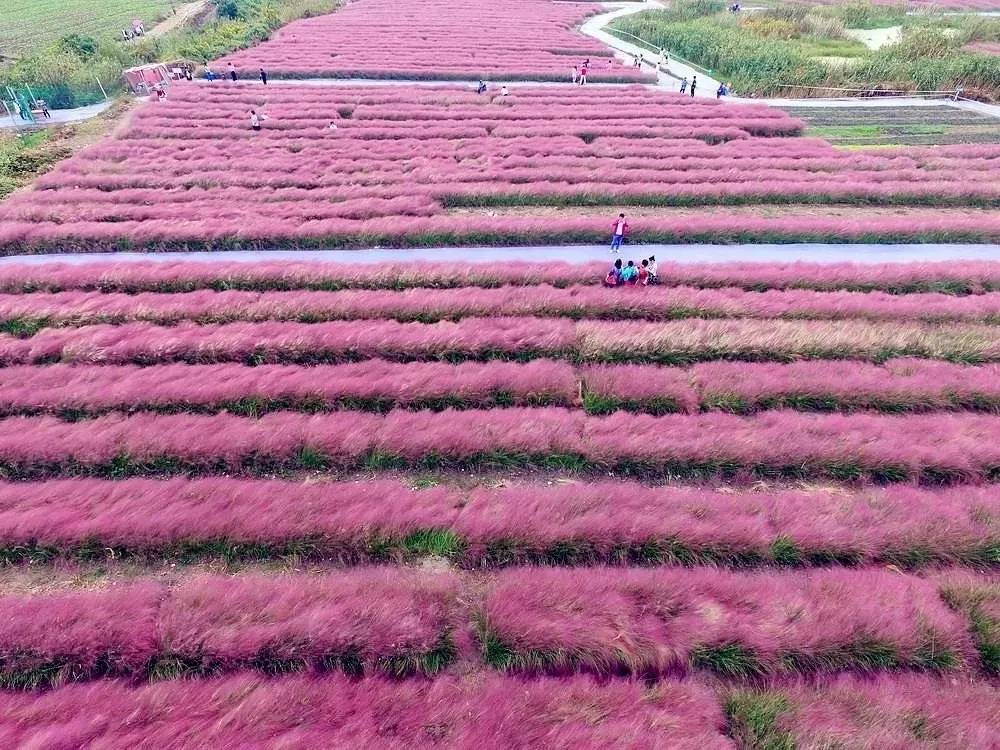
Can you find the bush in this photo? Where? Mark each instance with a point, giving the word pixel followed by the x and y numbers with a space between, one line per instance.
pixel 81 45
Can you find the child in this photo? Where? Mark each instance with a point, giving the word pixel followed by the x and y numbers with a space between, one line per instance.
pixel 654 277
pixel 614 277
pixel 644 273
pixel 630 274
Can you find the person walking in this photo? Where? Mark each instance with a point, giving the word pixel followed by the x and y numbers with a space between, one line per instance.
pixel 232 73
pixel 619 231
pixel 664 64
pixel 684 85
pixel 694 85
pixel 263 76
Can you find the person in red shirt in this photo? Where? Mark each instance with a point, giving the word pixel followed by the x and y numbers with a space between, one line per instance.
pixel 619 231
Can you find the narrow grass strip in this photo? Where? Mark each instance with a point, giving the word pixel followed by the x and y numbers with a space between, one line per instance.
pixel 620 523
pixel 935 448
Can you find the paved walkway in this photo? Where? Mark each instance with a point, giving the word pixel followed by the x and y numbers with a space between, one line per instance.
pixel 814 253
pixel 59 117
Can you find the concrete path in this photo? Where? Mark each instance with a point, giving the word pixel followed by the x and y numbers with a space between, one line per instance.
pixel 59 117
pixel 814 253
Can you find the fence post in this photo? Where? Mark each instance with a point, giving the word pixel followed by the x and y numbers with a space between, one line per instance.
pixel 102 87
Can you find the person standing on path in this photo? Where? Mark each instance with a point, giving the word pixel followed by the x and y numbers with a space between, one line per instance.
pixel 694 84
pixel 576 74
pixel 263 76
pixel 619 231
pixel 664 63
pixel 684 85
pixel 232 73
pixel 583 74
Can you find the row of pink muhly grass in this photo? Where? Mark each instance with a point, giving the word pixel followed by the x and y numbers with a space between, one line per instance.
pixel 548 620
pixel 951 277
pixel 615 522
pixel 931 448
pixel 901 712
pixel 657 622
pixel 386 620
pixel 900 385
pixel 428 305
pixel 479 710
pixel 251 233
pixel 670 342
pixel 437 39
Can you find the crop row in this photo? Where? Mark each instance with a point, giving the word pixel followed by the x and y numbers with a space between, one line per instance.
pixel 491 711
pixel 478 710
pixel 671 342
pixel 931 448
pixel 530 620
pixel 437 39
pixel 244 229
pixel 904 385
pixel 580 524
pixel 946 277
pixel 21 313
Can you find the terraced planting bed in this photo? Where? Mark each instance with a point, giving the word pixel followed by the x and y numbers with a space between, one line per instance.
pixel 402 161
pixel 435 506
pixel 897 126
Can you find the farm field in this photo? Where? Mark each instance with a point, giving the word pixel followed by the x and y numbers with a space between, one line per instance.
pixel 403 161
pixel 26 25
pixel 886 126
pixel 518 40
pixel 436 505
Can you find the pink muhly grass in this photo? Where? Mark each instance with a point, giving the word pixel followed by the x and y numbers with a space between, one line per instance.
pixel 602 521
pixel 78 635
pixel 374 384
pixel 936 448
pixel 656 303
pixel 478 710
pixel 666 621
pixel 177 276
pixel 895 713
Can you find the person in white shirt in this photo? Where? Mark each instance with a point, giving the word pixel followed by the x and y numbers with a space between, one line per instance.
pixel 654 277
pixel 255 120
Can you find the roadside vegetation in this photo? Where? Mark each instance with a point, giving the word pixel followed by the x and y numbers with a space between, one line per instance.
pixel 65 72
pixel 779 50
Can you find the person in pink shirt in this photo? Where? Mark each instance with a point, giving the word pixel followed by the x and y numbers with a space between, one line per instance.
pixel 619 231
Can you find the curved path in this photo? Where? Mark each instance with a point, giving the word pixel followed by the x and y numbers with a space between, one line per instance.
pixel 814 253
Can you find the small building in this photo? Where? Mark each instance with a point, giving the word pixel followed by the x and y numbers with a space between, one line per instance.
pixel 143 78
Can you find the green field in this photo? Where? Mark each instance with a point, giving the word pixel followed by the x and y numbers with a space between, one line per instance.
pixel 28 25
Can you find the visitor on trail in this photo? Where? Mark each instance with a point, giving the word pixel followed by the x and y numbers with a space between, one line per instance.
pixel 721 92
pixel 263 76
pixel 576 73
pixel 630 274
pixel 232 72
pixel 504 91
pixel 45 109
pixel 160 93
pixel 684 84
pixel 614 277
pixel 583 74
pixel 664 62
pixel 255 120
pixel 694 84
pixel 619 231
pixel 481 88
pixel 188 74
pixel 209 75
pixel 654 276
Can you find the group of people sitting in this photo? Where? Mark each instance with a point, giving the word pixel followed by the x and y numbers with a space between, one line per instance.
pixel 630 274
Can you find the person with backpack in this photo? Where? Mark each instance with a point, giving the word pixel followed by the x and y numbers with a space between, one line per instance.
pixel 619 231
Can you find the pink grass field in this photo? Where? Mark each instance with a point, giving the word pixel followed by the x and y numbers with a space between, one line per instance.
pixel 404 158
pixel 672 342
pixel 934 447
pixel 904 385
pixel 611 521
pixel 436 39
pixel 955 277
pixel 480 710
pixel 656 303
